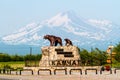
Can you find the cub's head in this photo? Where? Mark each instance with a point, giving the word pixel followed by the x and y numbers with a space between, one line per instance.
pixel 66 39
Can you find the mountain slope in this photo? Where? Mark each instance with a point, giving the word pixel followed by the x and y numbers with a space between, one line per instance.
pixel 83 33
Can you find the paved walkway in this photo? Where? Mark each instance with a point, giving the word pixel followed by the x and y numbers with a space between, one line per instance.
pixel 62 76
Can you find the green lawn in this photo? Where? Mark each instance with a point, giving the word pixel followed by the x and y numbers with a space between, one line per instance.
pixel 12 64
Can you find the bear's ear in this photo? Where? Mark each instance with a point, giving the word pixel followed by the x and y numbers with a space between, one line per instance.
pixel 47 35
pixel 44 36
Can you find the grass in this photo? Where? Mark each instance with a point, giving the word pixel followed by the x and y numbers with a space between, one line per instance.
pixel 22 64
pixel 12 64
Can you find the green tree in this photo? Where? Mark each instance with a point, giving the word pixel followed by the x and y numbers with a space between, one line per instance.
pixel 93 58
pixel 38 56
pixel 4 57
pixel 117 56
pixel 29 57
pixel 99 57
pixel 116 49
pixel 17 58
pixel 32 57
pixel 85 56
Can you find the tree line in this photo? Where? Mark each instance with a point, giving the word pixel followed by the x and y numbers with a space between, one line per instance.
pixel 92 58
pixel 116 49
pixel 6 57
pixel 95 57
pixel 98 57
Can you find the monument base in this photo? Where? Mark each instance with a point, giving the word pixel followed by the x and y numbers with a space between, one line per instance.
pixel 60 56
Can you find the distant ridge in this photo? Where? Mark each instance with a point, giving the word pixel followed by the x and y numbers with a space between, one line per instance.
pixel 84 33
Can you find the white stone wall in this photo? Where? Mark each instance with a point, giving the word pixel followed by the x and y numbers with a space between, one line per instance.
pixel 49 53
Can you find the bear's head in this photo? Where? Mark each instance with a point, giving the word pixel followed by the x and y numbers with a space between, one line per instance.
pixel 46 36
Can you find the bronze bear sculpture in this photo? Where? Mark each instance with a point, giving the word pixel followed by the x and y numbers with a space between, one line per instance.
pixel 68 42
pixel 54 40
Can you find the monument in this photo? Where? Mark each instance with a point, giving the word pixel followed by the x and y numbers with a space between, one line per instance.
pixel 59 56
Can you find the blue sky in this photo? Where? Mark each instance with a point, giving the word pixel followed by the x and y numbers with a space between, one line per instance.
pixel 15 14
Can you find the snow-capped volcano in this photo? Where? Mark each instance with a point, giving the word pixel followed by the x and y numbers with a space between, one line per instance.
pixel 23 35
pixel 66 25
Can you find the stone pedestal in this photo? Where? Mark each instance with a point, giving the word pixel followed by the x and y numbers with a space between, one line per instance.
pixel 60 56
